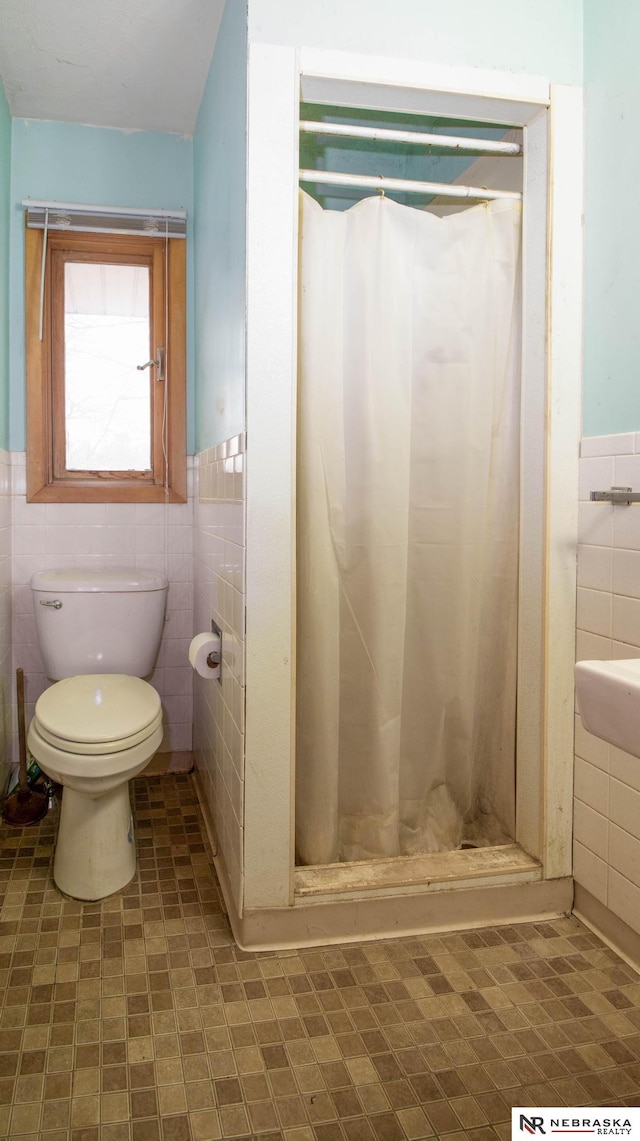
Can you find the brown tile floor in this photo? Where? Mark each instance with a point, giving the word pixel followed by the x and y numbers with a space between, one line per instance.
pixel 139 1020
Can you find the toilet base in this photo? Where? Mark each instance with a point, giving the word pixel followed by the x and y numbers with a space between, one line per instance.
pixel 95 851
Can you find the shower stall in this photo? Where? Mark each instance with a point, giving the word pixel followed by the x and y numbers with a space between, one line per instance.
pixel 410 567
pixel 407 523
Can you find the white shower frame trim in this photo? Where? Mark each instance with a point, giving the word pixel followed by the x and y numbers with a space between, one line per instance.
pixel 552 292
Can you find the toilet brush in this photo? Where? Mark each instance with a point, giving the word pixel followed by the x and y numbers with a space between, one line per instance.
pixel 25 805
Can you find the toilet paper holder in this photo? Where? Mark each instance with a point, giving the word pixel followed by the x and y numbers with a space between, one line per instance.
pixel 214 659
pixel 206 653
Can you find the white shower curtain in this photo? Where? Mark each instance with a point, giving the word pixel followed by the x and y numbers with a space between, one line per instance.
pixel 407 529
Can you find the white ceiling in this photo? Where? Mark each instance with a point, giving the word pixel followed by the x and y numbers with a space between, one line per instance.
pixel 136 64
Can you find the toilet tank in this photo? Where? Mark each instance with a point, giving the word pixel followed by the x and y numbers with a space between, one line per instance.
pixel 107 620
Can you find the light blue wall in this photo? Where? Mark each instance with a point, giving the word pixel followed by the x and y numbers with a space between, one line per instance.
pixel 542 38
pixel 67 162
pixel 220 169
pixel 612 226
pixel 5 192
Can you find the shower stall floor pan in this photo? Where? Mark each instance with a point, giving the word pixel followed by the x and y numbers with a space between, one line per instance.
pixel 429 872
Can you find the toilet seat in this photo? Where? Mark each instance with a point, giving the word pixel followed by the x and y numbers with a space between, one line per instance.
pixel 97 773
pixel 100 748
pixel 96 714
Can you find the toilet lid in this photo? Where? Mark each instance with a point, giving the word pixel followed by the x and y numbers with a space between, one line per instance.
pixel 98 709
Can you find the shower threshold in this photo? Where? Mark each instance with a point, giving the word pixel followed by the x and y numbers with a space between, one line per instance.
pixel 428 872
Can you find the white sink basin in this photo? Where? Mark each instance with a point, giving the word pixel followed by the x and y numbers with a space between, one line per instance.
pixel 609 701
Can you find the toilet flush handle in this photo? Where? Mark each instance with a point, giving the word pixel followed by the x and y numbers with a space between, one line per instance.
pixel 55 602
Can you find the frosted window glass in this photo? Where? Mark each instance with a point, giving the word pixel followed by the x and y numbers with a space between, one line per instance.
pixel 106 334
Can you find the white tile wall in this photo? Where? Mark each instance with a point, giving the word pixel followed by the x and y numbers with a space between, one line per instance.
pixel 154 536
pixel 6 672
pixel 607 780
pixel 219 556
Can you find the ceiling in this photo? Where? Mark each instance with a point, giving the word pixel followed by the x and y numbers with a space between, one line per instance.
pixel 133 64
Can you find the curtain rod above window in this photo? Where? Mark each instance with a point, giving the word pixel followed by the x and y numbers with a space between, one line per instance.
pixel 74 216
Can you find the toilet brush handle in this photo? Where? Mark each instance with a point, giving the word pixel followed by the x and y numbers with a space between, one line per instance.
pixel 22 739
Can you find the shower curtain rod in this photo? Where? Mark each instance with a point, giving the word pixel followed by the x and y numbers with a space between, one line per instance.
pixel 379 182
pixel 383 134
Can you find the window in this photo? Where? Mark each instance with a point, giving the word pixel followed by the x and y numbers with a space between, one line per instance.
pixel 106 382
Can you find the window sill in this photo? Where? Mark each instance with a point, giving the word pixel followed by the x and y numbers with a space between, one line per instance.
pixel 111 491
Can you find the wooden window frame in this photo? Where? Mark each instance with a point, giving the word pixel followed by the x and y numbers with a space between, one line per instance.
pixel 47 479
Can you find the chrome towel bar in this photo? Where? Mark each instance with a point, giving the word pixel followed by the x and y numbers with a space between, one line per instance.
pixel 620 495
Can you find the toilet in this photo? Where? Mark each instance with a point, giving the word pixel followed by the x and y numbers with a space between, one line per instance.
pixel 100 723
